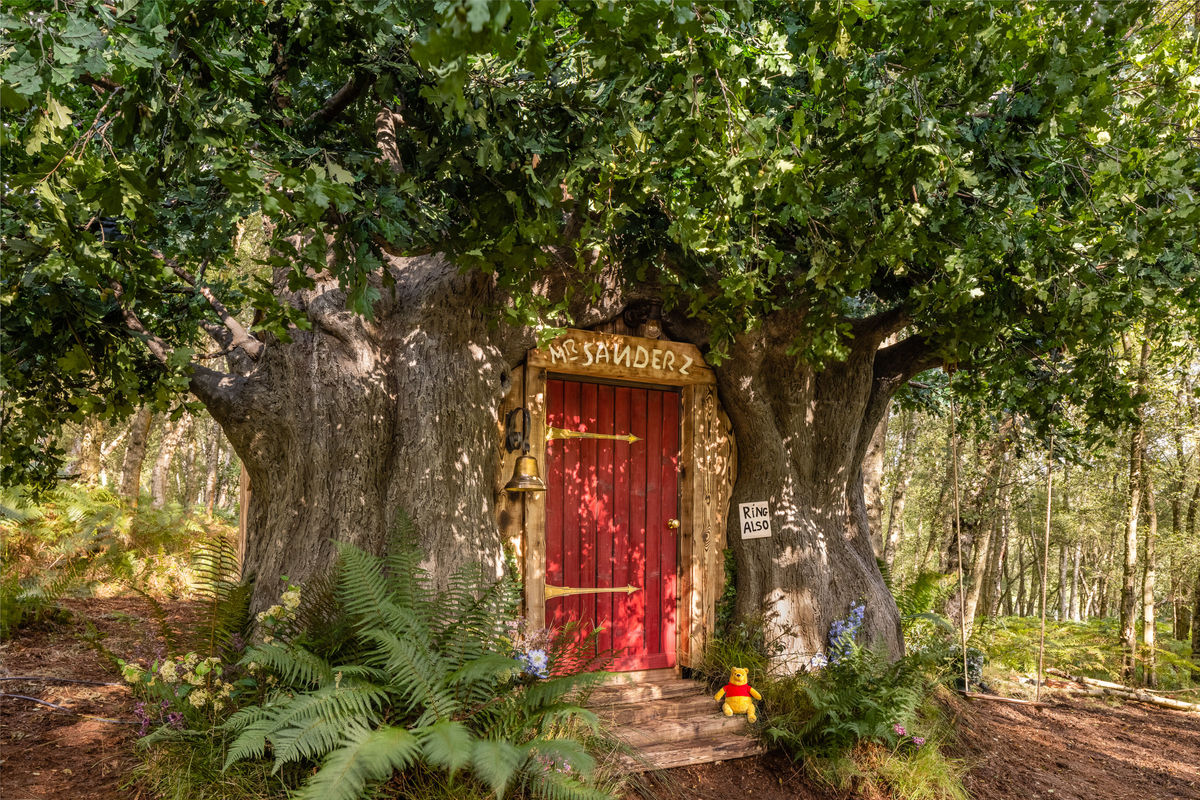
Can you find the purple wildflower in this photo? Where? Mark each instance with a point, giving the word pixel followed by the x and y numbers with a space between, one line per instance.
pixel 535 662
pixel 899 729
pixel 175 720
pixel 918 740
pixel 843 632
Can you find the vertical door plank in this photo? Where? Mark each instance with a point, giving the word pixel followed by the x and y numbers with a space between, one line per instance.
pixel 690 572
pixel 555 480
pixel 604 521
pixel 654 522
pixel 622 575
pixel 572 501
pixel 669 499
pixel 588 509
pixel 635 638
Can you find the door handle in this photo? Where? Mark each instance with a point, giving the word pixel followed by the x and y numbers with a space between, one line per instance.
pixel 673 524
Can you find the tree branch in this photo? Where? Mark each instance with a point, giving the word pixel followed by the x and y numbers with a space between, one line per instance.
pixel 881 325
pixel 159 348
pixel 386 123
pixel 240 336
pixel 897 363
pixel 217 390
pixel 894 366
pixel 342 98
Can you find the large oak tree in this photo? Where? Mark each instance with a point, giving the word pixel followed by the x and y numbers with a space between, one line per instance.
pixel 829 198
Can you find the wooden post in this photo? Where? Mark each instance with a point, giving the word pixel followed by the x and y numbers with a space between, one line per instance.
pixel 534 503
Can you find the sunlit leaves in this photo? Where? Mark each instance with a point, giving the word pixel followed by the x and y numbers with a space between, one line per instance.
pixel 1014 177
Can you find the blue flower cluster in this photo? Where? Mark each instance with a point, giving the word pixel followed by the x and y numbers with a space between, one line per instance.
pixel 843 632
pixel 535 662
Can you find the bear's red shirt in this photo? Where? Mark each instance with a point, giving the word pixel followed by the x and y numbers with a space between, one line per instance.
pixel 733 690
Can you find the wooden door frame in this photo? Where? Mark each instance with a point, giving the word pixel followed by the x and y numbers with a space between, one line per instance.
pixel 707 466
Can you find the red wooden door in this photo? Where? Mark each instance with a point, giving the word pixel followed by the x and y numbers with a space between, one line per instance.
pixel 610 505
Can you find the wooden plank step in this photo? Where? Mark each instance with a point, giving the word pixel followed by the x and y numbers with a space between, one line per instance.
pixel 671 708
pixel 618 694
pixel 666 755
pixel 702 726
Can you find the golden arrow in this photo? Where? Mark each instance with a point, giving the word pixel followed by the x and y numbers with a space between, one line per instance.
pixel 564 591
pixel 562 433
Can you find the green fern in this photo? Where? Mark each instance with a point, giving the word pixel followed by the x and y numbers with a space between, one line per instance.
pixel 216 581
pixel 417 678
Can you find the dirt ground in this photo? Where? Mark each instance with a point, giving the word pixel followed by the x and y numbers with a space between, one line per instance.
pixel 1074 749
pixel 46 754
pixel 1080 749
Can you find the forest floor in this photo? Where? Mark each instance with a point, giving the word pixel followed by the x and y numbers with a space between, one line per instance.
pixel 1073 749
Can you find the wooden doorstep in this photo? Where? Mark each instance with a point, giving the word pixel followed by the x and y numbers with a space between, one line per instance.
pixel 643 676
pixel 621 694
pixel 669 755
pixel 661 731
pixel 672 722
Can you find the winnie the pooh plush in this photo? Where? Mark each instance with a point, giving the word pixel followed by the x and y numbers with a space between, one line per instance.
pixel 737 694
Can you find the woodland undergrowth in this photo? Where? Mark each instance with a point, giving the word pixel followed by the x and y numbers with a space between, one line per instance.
pixel 857 720
pixel 372 683
pixel 82 541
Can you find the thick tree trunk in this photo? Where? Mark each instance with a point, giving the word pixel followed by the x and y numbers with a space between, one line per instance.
pixel 358 424
pixel 802 437
pixel 135 455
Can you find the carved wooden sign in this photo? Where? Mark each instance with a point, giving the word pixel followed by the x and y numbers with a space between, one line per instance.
pixel 608 355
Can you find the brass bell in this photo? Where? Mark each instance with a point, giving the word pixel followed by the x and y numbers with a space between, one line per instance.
pixel 526 476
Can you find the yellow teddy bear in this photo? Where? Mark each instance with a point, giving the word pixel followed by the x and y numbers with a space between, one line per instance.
pixel 737 694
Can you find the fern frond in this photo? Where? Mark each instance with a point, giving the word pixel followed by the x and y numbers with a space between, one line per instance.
pixel 446 744
pixel 553 785
pixel 496 762
pixel 365 755
pixel 252 724
pixel 362 587
pixel 294 665
pixel 413 673
pixel 216 580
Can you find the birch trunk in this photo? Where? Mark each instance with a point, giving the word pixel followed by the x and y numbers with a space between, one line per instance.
pixel 1129 572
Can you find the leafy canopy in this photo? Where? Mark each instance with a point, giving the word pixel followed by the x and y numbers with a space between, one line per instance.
pixel 1010 179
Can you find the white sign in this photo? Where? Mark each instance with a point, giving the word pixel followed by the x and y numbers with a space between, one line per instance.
pixel 756 520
